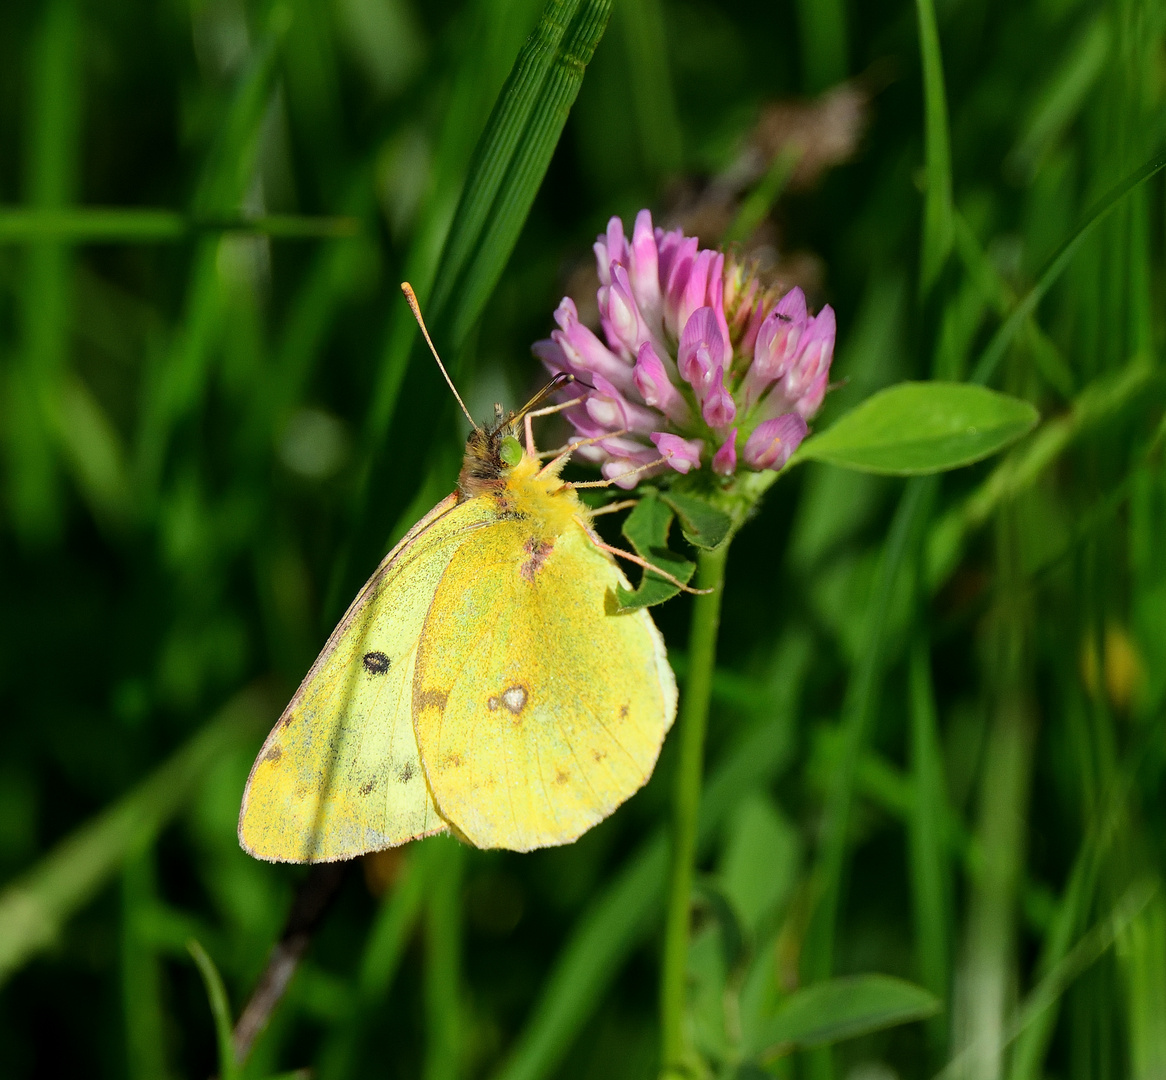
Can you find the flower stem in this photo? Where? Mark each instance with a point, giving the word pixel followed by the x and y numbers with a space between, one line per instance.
pixel 702 659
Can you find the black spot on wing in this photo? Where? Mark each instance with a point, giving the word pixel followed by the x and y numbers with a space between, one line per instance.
pixel 375 663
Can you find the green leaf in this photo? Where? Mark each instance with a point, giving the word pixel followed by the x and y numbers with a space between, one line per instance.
pixel 841 1009
pixel 916 428
pixel 647 528
pixel 704 526
pixel 759 861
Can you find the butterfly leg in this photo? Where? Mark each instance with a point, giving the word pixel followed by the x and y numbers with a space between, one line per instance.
pixel 561 455
pixel 595 538
pixel 612 508
pixel 622 475
pixel 527 417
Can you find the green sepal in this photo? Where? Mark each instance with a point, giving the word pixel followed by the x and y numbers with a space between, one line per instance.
pixel 703 525
pixel 646 529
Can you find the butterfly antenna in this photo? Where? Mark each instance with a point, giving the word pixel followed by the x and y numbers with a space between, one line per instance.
pixel 557 383
pixel 411 296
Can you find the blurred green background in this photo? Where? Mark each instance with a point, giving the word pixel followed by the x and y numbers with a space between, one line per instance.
pixel 939 755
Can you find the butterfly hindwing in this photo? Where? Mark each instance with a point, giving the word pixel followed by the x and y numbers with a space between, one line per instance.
pixel 537 709
pixel 339 774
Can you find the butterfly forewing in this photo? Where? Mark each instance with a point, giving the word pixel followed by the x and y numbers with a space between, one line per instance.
pixel 339 775
pixel 537 709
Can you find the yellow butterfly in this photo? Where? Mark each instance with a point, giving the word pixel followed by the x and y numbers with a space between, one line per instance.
pixel 481 681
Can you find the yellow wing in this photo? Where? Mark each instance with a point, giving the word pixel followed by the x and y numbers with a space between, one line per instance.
pixel 339 774
pixel 537 712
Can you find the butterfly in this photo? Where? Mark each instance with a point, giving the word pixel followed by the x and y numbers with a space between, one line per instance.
pixel 483 681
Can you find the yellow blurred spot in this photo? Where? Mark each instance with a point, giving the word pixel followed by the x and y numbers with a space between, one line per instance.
pixel 1122 671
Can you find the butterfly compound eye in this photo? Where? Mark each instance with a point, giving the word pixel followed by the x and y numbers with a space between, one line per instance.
pixel 510 451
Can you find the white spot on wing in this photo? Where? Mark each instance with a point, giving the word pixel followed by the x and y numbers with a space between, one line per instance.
pixel 514 698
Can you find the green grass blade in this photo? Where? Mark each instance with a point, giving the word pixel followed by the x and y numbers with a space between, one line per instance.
pixel 34 908
pixel 825 43
pixel 1061 99
pixel 334 273
pixel 1088 949
pixel 115 225
pixel 525 167
pixel 1141 949
pixel 281 226
pixel 1032 1043
pixel 1099 404
pixel 938 229
pixel 990 933
pixel 53 127
pixel 755 207
pixel 443 961
pixel 996 348
pixel 216 994
pixel 496 38
pixel 177 385
pixel 142 1004
pixel 646 45
pixel 997 293
pixel 55 107
pixel 231 162
pixel 857 714
pixel 929 863
pixel 598 945
pixel 498 147
pixel 893 791
pixel 92 448
pixel 391 928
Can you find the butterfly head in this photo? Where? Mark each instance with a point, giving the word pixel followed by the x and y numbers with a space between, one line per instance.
pixel 491 453
pixel 494 452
